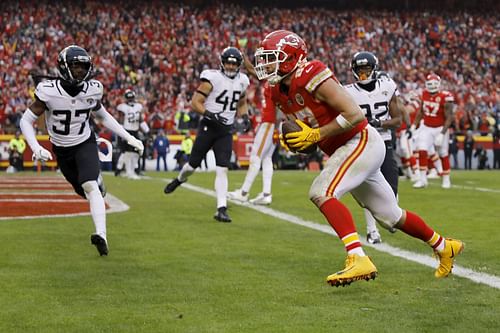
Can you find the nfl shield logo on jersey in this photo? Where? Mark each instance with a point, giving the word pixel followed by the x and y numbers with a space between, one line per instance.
pixel 299 99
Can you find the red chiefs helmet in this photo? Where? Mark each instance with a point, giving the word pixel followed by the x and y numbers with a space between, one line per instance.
pixel 432 83
pixel 279 54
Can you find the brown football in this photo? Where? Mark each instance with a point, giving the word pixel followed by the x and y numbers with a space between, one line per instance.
pixel 289 126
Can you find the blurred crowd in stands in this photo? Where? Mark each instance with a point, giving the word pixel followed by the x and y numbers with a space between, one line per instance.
pixel 159 49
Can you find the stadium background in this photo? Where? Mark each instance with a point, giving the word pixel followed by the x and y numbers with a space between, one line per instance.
pixel 160 48
pixel 172 268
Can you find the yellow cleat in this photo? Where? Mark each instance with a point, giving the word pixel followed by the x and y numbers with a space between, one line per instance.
pixel 356 268
pixel 452 248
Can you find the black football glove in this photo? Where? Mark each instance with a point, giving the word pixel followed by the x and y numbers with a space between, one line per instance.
pixel 377 123
pixel 215 118
pixel 246 122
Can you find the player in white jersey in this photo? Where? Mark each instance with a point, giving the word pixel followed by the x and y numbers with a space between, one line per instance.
pixel 131 118
pixel 68 102
pixel 378 98
pixel 219 98
pixel 262 151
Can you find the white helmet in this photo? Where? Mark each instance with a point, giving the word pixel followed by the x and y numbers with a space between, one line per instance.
pixel 432 83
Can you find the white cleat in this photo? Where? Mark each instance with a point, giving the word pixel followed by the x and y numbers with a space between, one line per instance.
pixel 237 195
pixel 414 178
pixel 446 182
pixel 420 184
pixel 262 199
pixel 433 174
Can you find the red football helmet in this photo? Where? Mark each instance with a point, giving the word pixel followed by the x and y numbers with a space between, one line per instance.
pixel 279 54
pixel 432 83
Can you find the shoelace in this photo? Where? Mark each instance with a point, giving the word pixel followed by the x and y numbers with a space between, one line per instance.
pixel 349 261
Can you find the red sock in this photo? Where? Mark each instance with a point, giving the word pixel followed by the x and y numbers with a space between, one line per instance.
pixel 445 160
pixel 413 162
pixel 422 160
pixel 416 227
pixel 341 220
pixel 430 162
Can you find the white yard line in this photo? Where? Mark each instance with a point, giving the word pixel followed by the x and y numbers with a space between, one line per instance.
pixel 483 278
pixel 473 188
pixel 466 187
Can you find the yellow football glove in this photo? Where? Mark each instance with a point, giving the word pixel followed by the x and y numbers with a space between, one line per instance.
pixel 283 142
pixel 303 139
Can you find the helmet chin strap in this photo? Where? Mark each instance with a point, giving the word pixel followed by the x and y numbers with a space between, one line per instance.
pixel 278 78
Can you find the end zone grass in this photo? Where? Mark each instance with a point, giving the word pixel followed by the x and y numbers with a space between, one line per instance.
pixel 172 268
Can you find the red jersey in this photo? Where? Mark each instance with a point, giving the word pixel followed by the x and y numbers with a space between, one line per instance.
pixel 412 106
pixel 433 107
pixel 299 103
pixel 268 107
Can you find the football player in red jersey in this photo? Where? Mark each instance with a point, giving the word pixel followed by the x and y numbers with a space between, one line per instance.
pixel 261 155
pixel 405 137
pixel 309 93
pixel 437 113
pixel 262 151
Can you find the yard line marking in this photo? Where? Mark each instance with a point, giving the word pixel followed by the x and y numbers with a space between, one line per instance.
pixel 483 278
pixel 467 187
pixel 473 188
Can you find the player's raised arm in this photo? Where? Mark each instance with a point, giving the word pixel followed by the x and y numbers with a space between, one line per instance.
pixel 31 115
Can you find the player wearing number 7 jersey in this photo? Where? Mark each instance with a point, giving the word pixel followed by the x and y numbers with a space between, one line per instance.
pixel 68 101
pixel 219 99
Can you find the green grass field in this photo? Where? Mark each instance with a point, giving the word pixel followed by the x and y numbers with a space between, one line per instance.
pixel 172 268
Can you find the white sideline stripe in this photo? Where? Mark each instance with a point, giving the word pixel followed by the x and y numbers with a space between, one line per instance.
pixel 466 187
pixel 115 206
pixel 483 278
pixel 473 188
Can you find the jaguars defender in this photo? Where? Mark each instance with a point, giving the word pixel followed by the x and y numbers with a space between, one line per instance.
pixel 68 102
pixel 220 97
pixel 131 118
pixel 377 96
